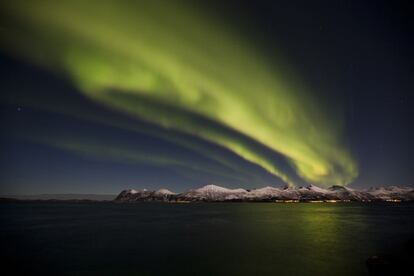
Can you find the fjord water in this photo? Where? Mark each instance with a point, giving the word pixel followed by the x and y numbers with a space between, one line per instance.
pixel 200 238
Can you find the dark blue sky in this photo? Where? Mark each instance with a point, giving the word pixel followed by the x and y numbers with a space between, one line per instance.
pixel 355 55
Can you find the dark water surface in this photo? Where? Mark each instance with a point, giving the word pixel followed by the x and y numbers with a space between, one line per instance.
pixel 199 239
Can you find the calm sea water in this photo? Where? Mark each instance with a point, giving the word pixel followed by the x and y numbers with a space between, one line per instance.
pixel 199 239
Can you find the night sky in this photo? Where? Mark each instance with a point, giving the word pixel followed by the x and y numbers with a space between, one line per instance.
pixel 99 96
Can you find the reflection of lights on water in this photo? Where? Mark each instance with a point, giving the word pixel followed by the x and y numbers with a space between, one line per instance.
pixel 393 200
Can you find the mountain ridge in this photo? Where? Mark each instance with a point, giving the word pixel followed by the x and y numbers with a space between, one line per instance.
pixel 311 193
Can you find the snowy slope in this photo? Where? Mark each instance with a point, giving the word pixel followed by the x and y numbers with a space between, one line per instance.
pixel 392 192
pixel 213 193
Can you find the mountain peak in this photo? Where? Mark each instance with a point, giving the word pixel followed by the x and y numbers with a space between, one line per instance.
pixel 218 189
pixel 337 188
pixel 164 192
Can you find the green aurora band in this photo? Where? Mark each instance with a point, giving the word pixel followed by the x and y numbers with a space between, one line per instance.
pixel 170 64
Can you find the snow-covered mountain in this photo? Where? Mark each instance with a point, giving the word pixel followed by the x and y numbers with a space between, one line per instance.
pixel 266 193
pixel 162 194
pixel 392 193
pixel 312 193
pixel 132 195
pixel 308 193
pixel 345 193
pixel 213 193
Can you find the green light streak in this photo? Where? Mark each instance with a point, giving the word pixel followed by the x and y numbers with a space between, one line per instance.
pixel 88 147
pixel 229 167
pixel 167 63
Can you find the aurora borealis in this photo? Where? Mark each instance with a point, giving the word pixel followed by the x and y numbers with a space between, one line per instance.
pixel 179 73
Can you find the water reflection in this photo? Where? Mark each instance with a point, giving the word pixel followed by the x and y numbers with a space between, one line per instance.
pixel 319 238
pixel 201 239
